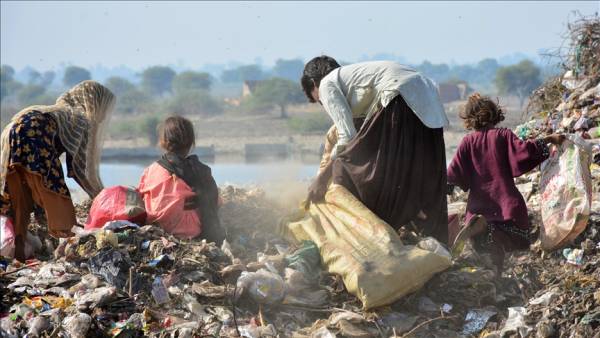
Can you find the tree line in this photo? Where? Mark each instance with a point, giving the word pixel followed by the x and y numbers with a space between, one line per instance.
pixel 161 89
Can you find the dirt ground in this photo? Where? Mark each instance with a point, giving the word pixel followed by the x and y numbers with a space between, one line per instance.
pixel 229 133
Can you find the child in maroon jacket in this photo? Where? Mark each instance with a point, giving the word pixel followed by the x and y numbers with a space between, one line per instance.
pixel 485 164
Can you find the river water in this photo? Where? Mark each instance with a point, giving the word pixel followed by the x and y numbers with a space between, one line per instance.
pixel 230 171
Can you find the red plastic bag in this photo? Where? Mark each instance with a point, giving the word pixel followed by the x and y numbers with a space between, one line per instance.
pixel 116 203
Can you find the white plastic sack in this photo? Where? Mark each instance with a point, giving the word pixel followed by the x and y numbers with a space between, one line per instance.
pixel 566 190
pixel 7 237
pixel 7 240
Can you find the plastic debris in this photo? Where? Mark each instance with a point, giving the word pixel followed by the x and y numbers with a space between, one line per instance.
pixel 476 320
pixel 263 286
pixel 77 325
pixel 159 291
pixel 516 322
pixel 573 256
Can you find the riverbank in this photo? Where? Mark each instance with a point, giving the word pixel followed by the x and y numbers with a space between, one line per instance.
pixel 230 134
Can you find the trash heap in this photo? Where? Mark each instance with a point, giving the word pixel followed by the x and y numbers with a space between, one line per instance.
pixel 570 102
pixel 129 281
pixel 132 281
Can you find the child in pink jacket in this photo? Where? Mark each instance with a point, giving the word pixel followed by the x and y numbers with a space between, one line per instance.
pixel 179 191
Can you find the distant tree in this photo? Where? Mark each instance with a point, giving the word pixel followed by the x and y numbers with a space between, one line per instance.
pixel 190 80
pixel 157 80
pixel 148 127
pixel 288 69
pixel 132 102
pixel 488 65
pixel 74 75
pixel 520 79
pixel 37 78
pixel 34 77
pixel 277 92
pixel 47 78
pixel 32 94
pixel 243 73
pixel 8 85
pixel 439 72
pixel 193 102
pixel 7 72
pixel 119 85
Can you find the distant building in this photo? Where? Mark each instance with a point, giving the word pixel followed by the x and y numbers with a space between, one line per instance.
pixel 236 102
pixel 454 91
pixel 248 87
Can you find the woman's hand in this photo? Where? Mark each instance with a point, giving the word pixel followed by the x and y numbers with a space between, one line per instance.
pixel 316 191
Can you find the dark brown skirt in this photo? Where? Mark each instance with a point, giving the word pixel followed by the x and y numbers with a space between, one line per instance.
pixel 397 166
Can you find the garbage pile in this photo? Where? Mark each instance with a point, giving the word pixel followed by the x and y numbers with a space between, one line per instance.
pixel 127 280
pixel 571 102
pixel 130 281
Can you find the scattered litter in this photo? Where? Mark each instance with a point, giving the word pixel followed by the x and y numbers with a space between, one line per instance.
pixel 476 320
pixel 516 322
pixel 573 256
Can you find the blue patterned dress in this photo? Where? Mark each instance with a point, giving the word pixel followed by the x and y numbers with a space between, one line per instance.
pixel 35 145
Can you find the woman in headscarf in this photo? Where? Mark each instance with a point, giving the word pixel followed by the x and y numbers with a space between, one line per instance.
pixel 30 168
pixel 395 164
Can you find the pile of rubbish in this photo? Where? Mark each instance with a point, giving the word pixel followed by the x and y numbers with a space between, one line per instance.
pixel 127 280
pixel 130 281
pixel 570 102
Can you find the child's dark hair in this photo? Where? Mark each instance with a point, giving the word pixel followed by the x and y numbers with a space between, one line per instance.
pixel 176 135
pixel 481 112
pixel 314 71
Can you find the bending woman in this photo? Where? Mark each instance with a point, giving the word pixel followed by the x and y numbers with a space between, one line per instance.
pixel 30 168
pixel 395 163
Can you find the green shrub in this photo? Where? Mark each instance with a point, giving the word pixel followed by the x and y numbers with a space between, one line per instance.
pixel 193 102
pixel 148 127
pixel 310 123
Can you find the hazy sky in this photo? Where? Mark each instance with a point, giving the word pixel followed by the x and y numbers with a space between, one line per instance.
pixel 138 34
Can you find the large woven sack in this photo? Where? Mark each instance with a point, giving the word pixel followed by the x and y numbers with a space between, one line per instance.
pixel 566 190
pixel 374 263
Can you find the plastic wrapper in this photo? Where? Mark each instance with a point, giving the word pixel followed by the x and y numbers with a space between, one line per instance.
pixel 77 325
pixel 96 297
pixel 113 267
pixel 476 320
pixel 264 287
pixel 159 291
pixel 39 325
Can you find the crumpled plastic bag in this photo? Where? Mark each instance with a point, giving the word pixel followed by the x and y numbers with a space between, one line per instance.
pixel 263 286
pixel 476 319
pixel 39 325
pixel 304 291
pixel 116 203
pixel 77 325
pixel 96 297
pixel 515 323
pixel 7 240
pixel 113 266
pixel 433 245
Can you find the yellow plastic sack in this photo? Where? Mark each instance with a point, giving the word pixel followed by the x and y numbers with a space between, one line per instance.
pixel 368 254
pixel 566 190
